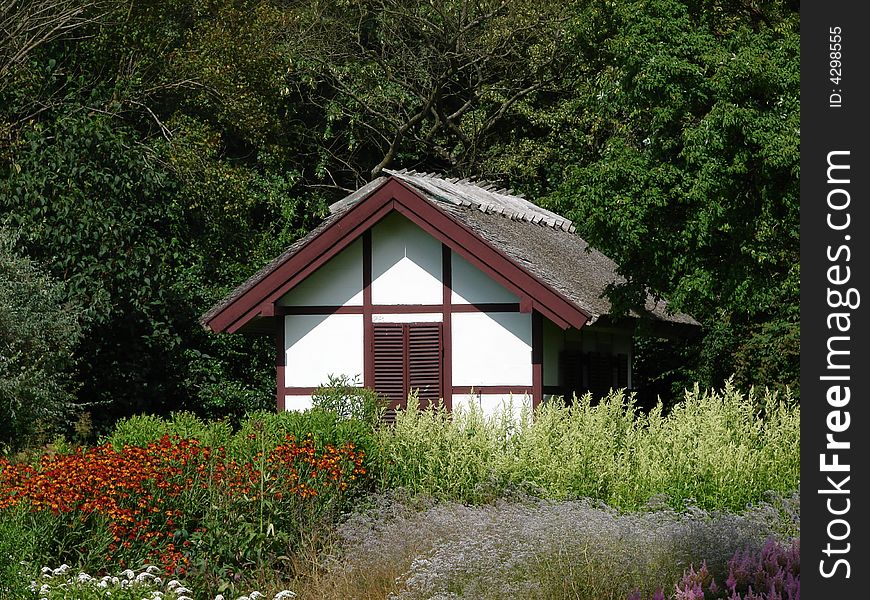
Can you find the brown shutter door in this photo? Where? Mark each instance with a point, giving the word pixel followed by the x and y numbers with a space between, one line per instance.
pixel 424 361
pixel 389 350
pixel 407 357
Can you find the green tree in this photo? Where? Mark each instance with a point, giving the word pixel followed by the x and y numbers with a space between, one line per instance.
pixel 684 167
pixel 39 329
pixel 146 205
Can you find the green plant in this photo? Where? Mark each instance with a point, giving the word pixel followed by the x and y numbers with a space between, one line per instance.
pixel 348 400
pixel 720 448
pixel 39 329
pixel 173 502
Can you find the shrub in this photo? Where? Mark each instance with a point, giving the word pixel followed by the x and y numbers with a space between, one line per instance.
pixel 172 502
pixel 722 449
pixel 344 397
pixel 39 329
pixel 259 431
pixel 769 573
pixel 142 430
pixel 447 455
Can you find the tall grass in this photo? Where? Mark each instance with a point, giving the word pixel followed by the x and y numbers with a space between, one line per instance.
pixel 723 449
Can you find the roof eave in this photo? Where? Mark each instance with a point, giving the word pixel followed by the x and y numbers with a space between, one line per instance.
pixel 256 297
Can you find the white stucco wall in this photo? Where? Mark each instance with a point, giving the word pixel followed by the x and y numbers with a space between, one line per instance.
pixel 321 345
pixel 339 282
pixel 298 403
pixel 493 404
pixel 492 348
pixel 408 318
pixel 406 263
pixel 471 286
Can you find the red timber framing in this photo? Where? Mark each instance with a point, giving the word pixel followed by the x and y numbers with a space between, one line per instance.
pixel 368 325
pixel 447 325
pixel 280 366
pixel 536 297
pixel 537 359
pixel 393 195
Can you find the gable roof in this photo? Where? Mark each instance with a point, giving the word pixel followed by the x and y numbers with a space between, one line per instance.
pixel 531 251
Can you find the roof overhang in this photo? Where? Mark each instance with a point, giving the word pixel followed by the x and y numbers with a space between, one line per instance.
pixel 392 195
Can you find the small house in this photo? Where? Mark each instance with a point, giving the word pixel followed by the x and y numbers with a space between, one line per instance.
pixel 455 289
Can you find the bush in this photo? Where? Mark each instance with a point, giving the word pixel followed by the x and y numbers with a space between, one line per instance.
pixel 217 512
pixel 769 573
pixel 141 430
pixel 39 330
pixel 258 431
pixel 722 449
pixel 344 397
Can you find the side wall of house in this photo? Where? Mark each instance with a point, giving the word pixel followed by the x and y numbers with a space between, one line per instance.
pixel 596 357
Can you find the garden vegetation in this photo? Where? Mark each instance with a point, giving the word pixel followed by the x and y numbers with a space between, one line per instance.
pixel 154 154
pixel 586 500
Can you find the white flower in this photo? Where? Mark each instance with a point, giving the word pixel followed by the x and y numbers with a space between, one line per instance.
pixel 84 578
pixel 46 570
pixel 284 595
pixel 128 573
pixel 144 576
pixel 61 569
pixel 182 590
pixel 152 570
pixel 256 596
pixel 219 597
pixel 173 583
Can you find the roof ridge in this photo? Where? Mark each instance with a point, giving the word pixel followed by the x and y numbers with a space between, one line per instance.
pixel 486 184
pixel 485 196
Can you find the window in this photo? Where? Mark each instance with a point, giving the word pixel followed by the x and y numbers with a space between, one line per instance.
pixel 596 372
pixel 408 357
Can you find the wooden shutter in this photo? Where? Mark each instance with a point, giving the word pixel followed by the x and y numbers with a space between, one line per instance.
pixel 389 342
pixel 424 361
pixel 407 356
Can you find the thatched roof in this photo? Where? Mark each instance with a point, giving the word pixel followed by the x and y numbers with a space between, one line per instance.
pixel 539 241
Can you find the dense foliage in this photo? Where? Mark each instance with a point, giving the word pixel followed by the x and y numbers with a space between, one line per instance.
pixel 39 329
pixel 605 451
pixel 153 154
pixel 685 167
pixel 261 505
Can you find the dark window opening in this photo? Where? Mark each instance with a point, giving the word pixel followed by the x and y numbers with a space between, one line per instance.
pixel 595 372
